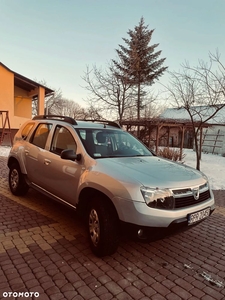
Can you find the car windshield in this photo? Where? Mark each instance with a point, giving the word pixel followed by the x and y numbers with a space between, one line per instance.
pixel 102 143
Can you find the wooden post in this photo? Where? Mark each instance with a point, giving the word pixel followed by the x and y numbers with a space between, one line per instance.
pixel 149 135
pixel 200 144
pixel 157 139
pixel 168 137
pixel 182 143
pixel 5 130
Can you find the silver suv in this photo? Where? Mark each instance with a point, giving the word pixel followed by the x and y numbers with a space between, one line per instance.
pixel 108 176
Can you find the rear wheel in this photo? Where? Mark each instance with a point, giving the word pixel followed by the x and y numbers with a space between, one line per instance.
pixel 102 223
pixel 17 183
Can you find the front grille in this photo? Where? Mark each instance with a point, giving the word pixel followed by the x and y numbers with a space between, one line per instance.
pixel 190 200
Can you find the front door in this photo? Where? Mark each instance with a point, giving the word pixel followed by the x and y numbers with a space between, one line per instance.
pixel 60 176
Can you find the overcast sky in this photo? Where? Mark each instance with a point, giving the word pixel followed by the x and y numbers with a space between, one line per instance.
pixel 55 40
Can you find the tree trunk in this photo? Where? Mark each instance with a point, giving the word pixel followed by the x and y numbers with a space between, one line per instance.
pixel 198 157
pixel 138 107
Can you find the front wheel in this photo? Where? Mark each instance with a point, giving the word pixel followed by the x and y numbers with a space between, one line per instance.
pixel 17 183
pixel 102 223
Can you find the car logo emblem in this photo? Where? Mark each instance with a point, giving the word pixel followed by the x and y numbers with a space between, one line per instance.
pixel 195 192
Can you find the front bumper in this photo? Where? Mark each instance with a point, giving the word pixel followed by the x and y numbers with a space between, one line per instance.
pixel 139 214
pixel 153 233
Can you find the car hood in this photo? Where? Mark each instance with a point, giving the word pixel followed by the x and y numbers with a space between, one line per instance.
pixel 151 171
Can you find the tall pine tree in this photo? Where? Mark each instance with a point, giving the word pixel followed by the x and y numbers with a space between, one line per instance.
pixel 139 63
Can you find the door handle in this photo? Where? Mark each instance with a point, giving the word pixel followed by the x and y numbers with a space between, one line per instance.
pixel 47 162
pixel 26 152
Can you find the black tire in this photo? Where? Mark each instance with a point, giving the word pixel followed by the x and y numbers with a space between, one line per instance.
pixel 17 183
pixel 102 225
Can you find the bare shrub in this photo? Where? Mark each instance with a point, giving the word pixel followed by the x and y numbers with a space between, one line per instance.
pixel 171 153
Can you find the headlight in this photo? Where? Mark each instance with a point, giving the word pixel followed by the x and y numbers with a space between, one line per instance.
pixel 158 198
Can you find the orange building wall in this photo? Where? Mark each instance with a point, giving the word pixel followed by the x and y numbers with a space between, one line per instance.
pixel 22 103
pixel 6 90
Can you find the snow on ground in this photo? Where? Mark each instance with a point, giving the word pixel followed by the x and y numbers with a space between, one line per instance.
pixel 4 151
pixel 212 165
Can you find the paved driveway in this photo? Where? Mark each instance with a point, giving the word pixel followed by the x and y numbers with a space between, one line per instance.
pixel 44 254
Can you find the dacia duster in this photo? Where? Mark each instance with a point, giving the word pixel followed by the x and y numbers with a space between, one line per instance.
pixel 108 176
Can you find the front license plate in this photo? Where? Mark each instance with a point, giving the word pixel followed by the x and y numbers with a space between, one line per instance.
pixel 198 216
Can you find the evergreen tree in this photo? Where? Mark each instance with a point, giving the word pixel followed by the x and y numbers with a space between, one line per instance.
pixel 139 63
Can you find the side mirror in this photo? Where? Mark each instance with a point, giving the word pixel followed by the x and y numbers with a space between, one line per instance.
pixel 70 155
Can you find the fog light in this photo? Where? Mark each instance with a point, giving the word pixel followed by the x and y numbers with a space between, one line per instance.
pixel 140 233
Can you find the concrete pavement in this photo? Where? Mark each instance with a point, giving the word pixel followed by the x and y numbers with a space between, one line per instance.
pixel 44 254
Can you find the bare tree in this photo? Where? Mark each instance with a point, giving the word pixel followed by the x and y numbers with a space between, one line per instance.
pixel 152 108
pixel 74 110
pixel 108 92
pixel 92 113
pixel 51 101
pixel 68 108
pixel 200 91
pixel 56 104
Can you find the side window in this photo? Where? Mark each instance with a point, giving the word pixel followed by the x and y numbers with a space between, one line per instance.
pixel 26 130
pixel 41 134
pixel 62 140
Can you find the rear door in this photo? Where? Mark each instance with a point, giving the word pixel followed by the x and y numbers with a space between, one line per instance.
pixel 34 150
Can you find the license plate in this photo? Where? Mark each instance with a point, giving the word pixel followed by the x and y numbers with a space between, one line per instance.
pixel 198 216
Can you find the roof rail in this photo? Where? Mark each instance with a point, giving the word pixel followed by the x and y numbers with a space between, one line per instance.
pixel 105 122
pixel 56 117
